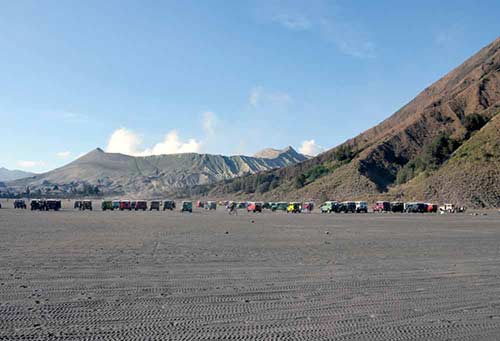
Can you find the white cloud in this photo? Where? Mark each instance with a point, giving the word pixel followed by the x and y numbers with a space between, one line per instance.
pixel 309 147
pixel 292 21
pixel 209 122
pixel 125 141
pixel 258 95
pixel 173 145
pixel 64 154
pixel 30 164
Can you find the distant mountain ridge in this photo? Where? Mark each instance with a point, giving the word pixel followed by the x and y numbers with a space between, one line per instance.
pixel 14 174
pixel 114 173
pixel 271 153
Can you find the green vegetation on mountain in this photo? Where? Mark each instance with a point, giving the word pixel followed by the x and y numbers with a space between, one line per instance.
pixel 473 171
pixel 433 156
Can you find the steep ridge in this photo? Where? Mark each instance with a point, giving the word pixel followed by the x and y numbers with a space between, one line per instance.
pixel 370 163
pixel 113 173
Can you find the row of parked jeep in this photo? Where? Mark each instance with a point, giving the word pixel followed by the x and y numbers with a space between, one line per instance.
pixel 39 204
pixel 111 205
pixel 289 207
pixel 415 207
pixel 344 207
pixel 386 206
pixel 258 206
pixel 142 205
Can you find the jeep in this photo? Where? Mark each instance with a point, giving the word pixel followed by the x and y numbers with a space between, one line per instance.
pixel 19 203
pixel 187 206
pixel 279 206
pixel 53 205
pixel 415 207
pixel 154 205
pixel 329 207
pixel 397 206
pixel 125 205
pixel 361 207
pixel 210 205
pixel 347 207
pixel 107 205
pixel 308 207
pixel 382 206
pixel 141 205
pixel 86 205
pixel 294 207
pixel 168 205
pixel 254 207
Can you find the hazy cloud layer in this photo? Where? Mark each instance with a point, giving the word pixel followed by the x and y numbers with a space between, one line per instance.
pixel 64 154
pixel 260 96
pixel 348 38
pixel 30 164
pixel 66 116
pixel 351 38
pixel 292 21
pixel 209 122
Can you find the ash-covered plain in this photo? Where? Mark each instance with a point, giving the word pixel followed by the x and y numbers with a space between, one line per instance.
pixel 74 275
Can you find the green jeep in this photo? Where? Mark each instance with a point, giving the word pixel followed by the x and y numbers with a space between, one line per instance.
pixel 329 207
pixel 279 206
pixel 107 205
pixel 187 206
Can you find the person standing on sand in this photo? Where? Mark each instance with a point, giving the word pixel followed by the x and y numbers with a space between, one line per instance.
pixel 232 209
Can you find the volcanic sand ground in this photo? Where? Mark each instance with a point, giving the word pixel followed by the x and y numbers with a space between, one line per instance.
pixel 73 275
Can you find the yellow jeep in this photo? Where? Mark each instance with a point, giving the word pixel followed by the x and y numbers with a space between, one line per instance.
pixel 293 207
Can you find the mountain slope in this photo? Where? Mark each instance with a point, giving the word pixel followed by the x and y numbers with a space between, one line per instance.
pixel 114 173
pixel 474 165
pixel 370 163
pixel 9 175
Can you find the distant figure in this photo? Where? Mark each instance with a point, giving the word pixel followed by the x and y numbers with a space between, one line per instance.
pixel 232 209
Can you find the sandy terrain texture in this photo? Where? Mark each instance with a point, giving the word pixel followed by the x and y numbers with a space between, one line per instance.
pixel 74 275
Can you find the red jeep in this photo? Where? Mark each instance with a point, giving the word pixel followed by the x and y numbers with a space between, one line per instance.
pixel 254 207
pixel 382 206
pixel 432 208
pixel 125 205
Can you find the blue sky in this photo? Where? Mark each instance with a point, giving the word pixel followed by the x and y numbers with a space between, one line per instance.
pixel 225 77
